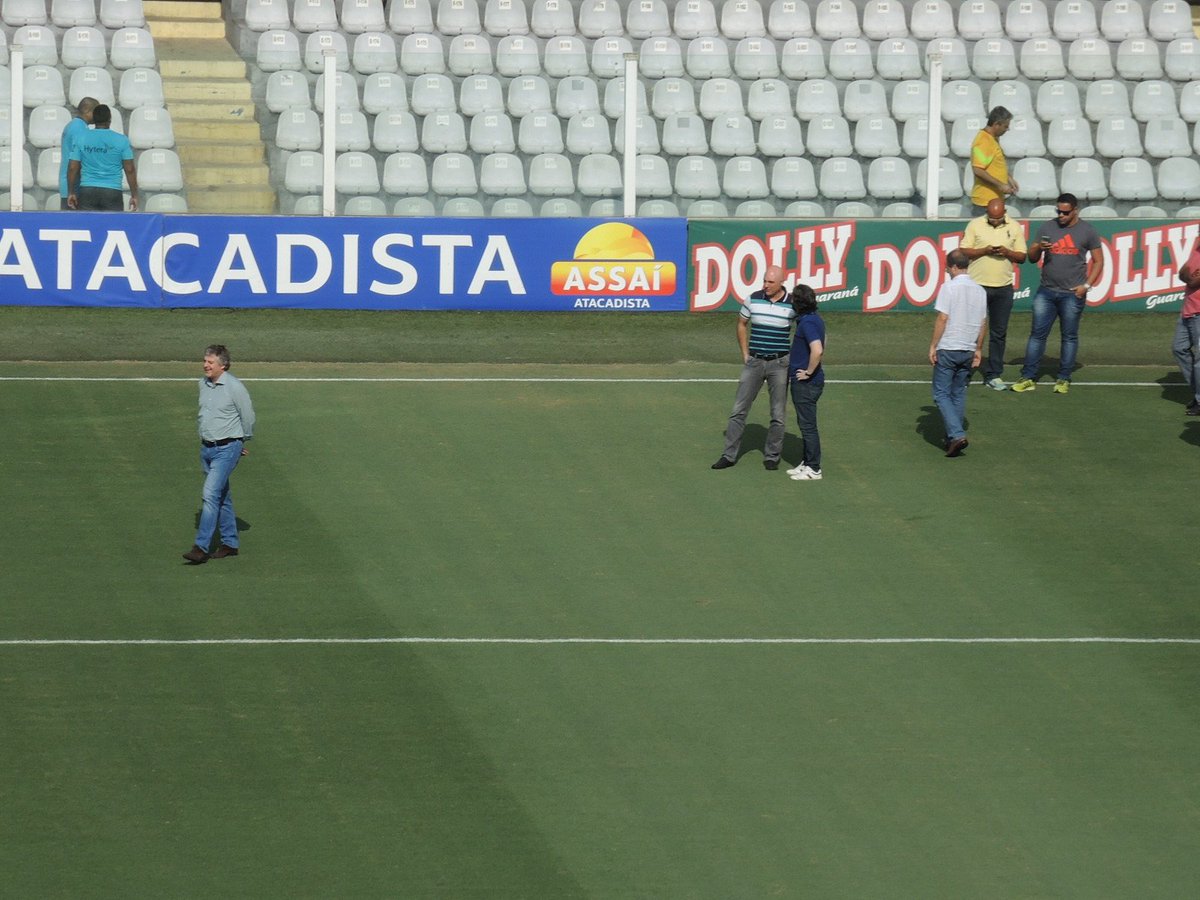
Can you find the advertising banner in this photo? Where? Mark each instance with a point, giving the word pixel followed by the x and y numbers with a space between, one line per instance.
pixel 86 259
pixel 879 265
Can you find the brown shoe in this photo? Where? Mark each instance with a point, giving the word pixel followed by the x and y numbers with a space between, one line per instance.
pixel 957 446
pixel 196 556
pixel 223 551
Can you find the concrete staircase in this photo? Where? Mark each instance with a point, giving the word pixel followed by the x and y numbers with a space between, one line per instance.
pixel 207 90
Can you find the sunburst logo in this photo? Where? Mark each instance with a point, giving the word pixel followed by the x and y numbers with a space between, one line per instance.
pixel 613 260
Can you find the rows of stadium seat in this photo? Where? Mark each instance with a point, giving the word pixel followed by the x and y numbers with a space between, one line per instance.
pixel 467 81
pixel 1132 179
pixel 765 98
pixel 515 207
pixel 712 57
pixel 1020 20
pixel 110 14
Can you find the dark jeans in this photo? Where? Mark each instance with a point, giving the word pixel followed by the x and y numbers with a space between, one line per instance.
pixel 805 395
pixel 98 199
pixel 999 306
pixel 1047 306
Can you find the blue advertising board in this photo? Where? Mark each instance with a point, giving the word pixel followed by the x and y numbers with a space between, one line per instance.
pixel 152 261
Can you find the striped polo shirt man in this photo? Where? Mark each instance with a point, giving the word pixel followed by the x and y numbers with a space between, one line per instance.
pixel 770 325
pixel 764 335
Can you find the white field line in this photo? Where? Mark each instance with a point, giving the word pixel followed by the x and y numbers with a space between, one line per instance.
pixel 550 380
pixel 594 641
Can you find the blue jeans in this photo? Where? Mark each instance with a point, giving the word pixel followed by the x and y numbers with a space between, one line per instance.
pixel 804 397
pixel 1186 348
pixel 950 377
pixel 216 510
pixel 1048 305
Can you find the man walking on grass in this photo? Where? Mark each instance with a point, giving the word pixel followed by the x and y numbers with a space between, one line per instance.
pixel 1072 265
pixel 226 422
pixel 764 338
pixel 956 347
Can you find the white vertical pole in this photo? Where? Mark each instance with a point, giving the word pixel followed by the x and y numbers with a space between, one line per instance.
pixel 631 74
pixel 933 154
pixel 329 146
pixel 16 106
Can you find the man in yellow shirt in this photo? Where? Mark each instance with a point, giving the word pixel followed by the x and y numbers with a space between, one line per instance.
pixel 988 163
pixel 993 243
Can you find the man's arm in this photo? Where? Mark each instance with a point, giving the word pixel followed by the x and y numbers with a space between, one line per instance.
pixel 131 177
pixel 1035 250
pixel 1095 269
pixel 983 330
pixel 743 338
pixel 939 328
pixel 816 350
pixel 73 169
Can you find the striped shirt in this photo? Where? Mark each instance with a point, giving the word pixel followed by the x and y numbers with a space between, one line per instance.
pixel 770 324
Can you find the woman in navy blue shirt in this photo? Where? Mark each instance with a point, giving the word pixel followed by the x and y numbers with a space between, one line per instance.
pixel 807 379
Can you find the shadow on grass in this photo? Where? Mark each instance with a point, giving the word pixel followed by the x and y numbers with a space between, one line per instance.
pixel 931 427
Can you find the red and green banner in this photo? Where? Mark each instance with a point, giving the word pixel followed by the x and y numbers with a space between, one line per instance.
pixel 882 265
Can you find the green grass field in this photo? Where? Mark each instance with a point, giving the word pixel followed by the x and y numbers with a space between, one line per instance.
pixel 497 630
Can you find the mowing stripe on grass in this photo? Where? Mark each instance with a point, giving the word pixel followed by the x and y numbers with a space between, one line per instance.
pixel 173 642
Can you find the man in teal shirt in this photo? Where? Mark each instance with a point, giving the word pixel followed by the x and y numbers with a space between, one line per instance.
pixel 76 128
pixel 94 169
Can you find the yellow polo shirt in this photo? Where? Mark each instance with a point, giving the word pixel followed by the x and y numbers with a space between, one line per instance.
pixel 991 271
pixel 987 155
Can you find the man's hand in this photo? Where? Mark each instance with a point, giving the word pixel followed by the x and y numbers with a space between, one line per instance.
pixel 72 201
pixel 1081 291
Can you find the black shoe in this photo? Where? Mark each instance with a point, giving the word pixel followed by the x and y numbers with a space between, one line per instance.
pixel 957 446
pixel 1193 409
pixel 723 463
pixel 770 464
pixel 196 556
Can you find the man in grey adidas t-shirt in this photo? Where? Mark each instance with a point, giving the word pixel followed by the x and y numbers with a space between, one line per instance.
pixel 1073 264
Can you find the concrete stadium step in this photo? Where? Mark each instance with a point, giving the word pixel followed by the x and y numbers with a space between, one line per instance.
pixel 208 93
pixel 226 130
pixel 194 153
pixel 239 200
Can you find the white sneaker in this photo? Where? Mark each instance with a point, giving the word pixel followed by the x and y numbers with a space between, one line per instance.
pixel 997 384
pixel 804 473
pixel 796 471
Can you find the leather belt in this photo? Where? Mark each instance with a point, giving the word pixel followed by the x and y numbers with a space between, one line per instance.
pixel 221 443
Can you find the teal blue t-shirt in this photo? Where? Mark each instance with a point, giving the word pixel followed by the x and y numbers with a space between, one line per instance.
pixel 101 154
pixel 70 137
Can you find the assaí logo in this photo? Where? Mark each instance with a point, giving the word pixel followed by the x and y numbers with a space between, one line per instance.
pixel 614 268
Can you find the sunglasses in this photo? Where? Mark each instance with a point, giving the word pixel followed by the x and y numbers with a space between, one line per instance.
pixel 1063 212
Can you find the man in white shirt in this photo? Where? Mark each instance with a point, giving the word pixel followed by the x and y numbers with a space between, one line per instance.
pixel 957 346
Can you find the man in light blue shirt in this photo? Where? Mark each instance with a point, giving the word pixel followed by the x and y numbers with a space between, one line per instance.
pixel 957 346
pixel 226 423
pixel 76 128
pixel 94 169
